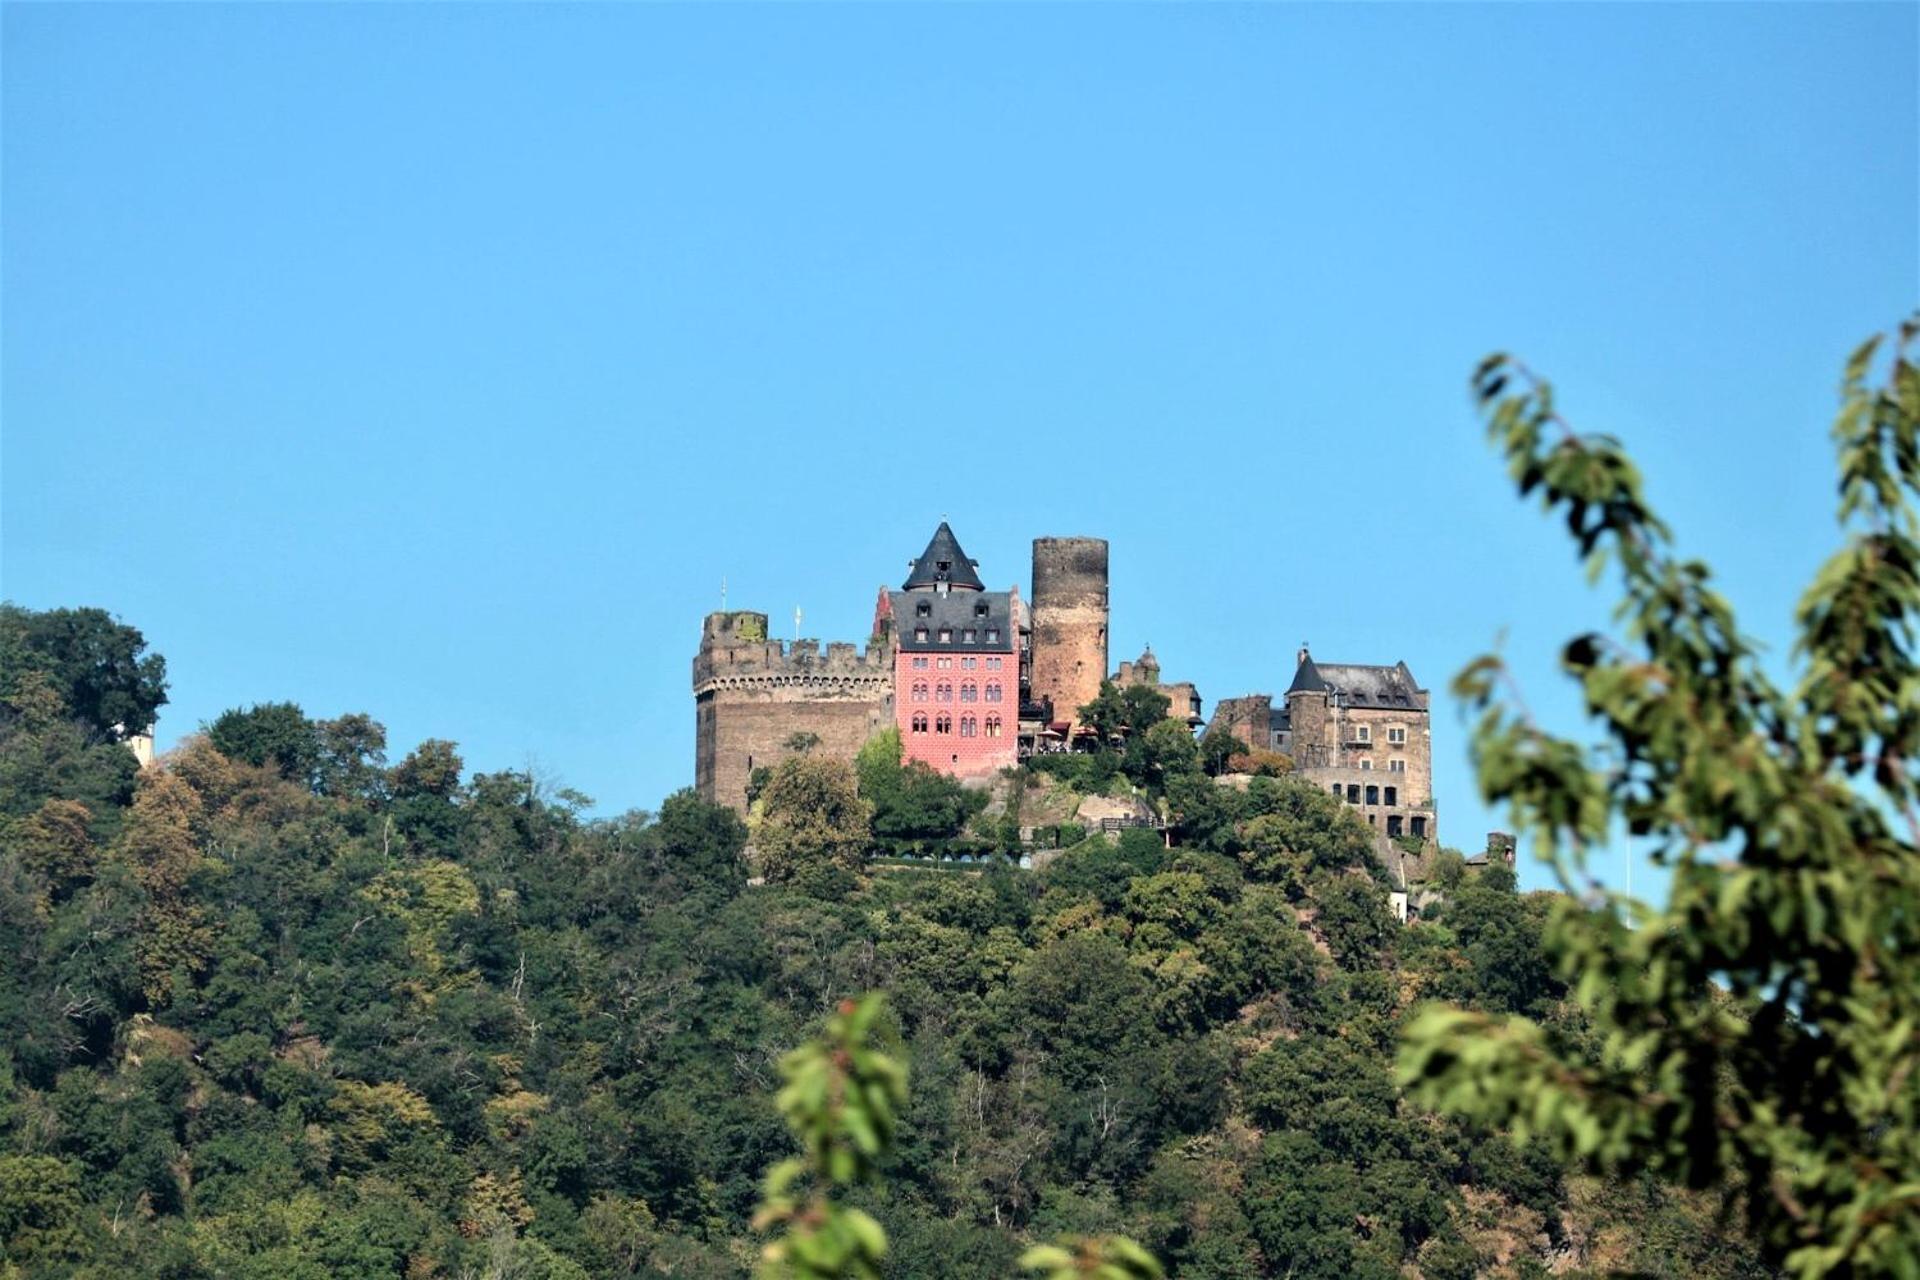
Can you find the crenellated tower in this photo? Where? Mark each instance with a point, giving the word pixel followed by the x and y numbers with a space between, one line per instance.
pixel 752 694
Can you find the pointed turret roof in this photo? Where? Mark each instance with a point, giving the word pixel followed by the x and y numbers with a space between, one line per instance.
pixel 944 563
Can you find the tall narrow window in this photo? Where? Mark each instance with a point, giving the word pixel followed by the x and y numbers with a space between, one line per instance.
pixel 919 722
pixel 1373 795
pixel 969 692
pixel 993 691
pixel 968 727
pixel 944 693
pixel 919 690
pixel 993 726
pixel 943 723
pixel 1393 795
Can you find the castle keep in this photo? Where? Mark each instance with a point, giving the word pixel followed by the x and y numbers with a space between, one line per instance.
pixel 752 694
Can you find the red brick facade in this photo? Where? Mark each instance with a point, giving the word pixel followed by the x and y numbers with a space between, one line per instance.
pixel 958 711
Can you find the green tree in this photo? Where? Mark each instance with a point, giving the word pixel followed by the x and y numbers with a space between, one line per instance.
pixel 1165 750
pixel 350 756
pixel 701 844
pixel 1763 1028
pixel 812 817
pixel 430 769
pixel 99 668
pixel 40 1206
pixel 1351 913
pixel 1130 711
pixel 275 734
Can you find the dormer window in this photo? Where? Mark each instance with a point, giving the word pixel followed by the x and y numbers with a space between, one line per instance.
pixel 993 635
pixel 946 635
pixel 923 610
pixel 945 566
pixel 980 611
pixel 920 634
pixel 969 636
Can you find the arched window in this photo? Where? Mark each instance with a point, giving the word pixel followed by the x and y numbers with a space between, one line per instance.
pixel 944 693
pixel 969 727
pixel 993 726
pixel 969 692
pixel 919 690
pixel 919 722
pixel 993 691
pixel 943 723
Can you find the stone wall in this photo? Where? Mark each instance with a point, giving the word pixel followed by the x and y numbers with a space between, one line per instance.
pixel 1249 719
pixel 752 694
pixel 1069 622
pixel 1330 737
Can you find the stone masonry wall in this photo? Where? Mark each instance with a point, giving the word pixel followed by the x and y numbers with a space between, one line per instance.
pixel 1248 719
pixel 752 694
pixel 1328 737
pixel 1069 622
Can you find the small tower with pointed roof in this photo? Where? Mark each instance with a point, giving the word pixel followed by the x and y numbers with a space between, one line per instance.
pixel 943 566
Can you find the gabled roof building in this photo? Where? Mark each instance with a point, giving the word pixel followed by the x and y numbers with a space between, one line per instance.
pixel 1362 731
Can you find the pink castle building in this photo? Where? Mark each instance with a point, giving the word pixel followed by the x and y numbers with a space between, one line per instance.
pixel 956 672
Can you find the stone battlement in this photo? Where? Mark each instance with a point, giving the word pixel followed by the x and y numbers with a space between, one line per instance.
pixel 735 652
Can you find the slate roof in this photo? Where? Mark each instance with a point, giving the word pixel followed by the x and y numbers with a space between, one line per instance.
pixel 1359 685
pixel 978 612
pixel 944 562
pixel 1279 719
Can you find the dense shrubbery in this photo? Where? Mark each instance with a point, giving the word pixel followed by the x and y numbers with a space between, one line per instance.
pixel 303 1014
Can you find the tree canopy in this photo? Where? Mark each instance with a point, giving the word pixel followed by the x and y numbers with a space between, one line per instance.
pixel 1759 1033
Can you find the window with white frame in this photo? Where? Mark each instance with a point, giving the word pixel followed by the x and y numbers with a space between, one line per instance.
pixel 1396 736
pixel 1396 766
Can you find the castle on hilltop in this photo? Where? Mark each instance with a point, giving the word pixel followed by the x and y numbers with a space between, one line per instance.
pixel 978 680
pixel 974 679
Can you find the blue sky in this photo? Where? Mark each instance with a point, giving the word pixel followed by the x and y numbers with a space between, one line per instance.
pixel 439 362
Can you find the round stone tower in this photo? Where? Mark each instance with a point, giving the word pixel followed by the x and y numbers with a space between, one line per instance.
pixel 1069 622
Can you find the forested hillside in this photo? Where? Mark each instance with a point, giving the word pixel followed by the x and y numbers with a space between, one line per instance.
pixel 277 1008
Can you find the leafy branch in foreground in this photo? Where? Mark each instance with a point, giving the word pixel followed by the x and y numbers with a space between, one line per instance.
pixel 842 1098
pixel 843 1095
pixel 1762 1030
